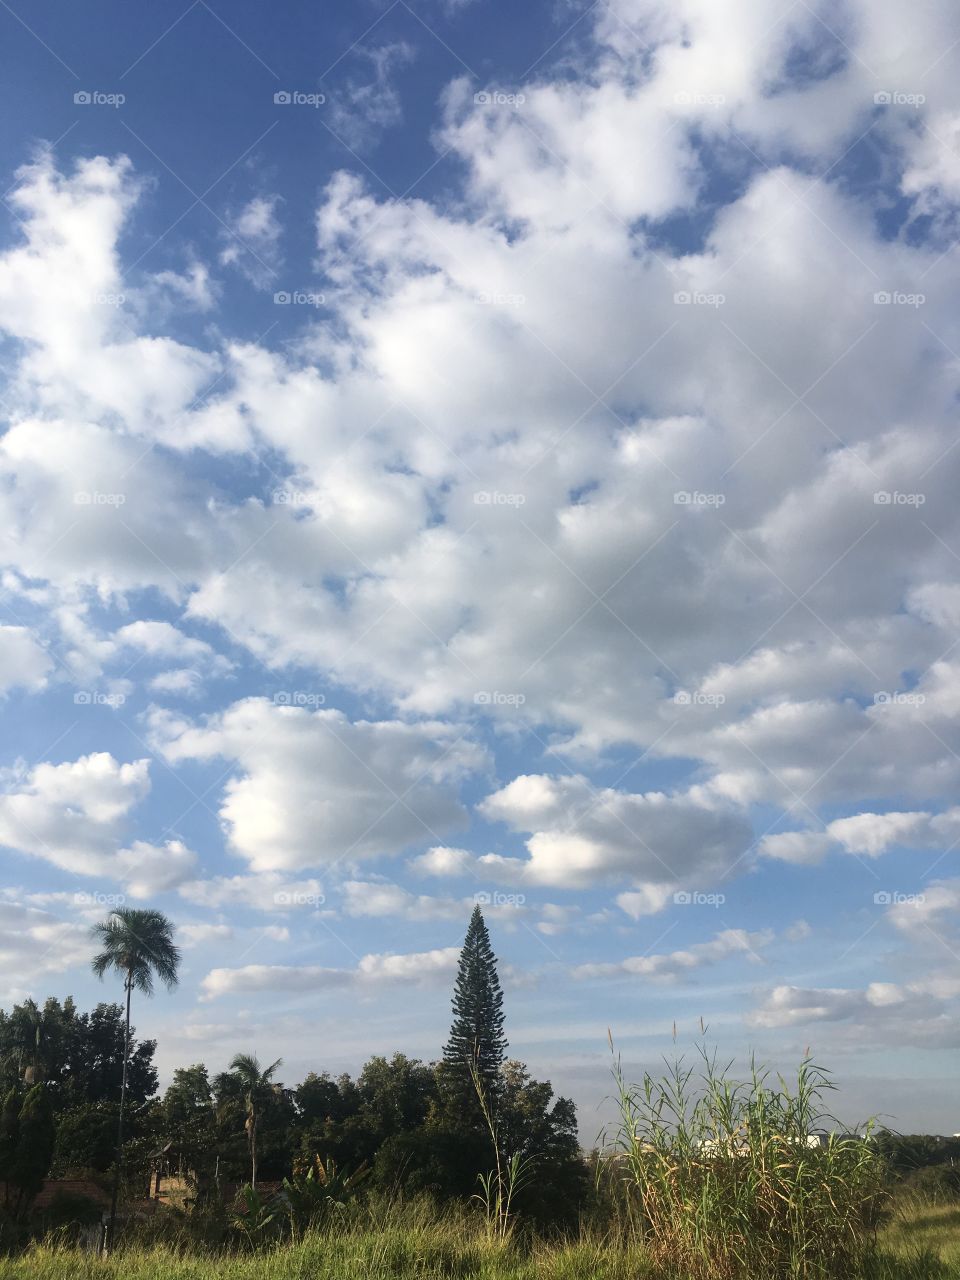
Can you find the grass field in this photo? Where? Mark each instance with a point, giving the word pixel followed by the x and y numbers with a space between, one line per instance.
pixel 921 1242
pixel 934 1228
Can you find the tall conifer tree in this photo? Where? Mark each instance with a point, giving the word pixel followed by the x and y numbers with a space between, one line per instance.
pixel 476 1036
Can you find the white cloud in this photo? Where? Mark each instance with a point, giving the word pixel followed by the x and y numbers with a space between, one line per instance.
pixel 378 898
pixel 161 642
pixel 443 861
pixel 147 869
pixel 866 835
pixel 72 814
pixel 361 107
pixel 252 240
pixel 920 1012
pixel 371 973
pixel 583 835
pixel 196 935
pixel 34 943
pixel 75 814
pixel 315 788
pixel 669 966
pixel 530 480
pixel 160 639
pixel 929 914
pixel 23 661
pixel 268 891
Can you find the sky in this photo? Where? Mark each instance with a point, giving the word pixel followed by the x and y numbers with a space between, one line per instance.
pixel 456 451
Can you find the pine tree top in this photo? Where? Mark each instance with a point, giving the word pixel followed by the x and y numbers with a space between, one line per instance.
pixel 476 1035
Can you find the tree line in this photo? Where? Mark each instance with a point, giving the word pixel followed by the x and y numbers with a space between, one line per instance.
pixel 80 1098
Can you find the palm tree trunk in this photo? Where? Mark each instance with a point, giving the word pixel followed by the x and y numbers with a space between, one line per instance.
pixel 118 1161
pixel 253 1150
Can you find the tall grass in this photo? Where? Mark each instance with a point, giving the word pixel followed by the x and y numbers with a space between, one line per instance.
pixel 384 1240
pixel 399 1241
pixel 511 1171
pixel 721 1183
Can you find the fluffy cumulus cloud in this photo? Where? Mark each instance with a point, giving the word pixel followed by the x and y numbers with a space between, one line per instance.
pixel 72 813
pixel 867 835
pixel 75 815
pixel 582 835
pixel 314 788
pixel 600 530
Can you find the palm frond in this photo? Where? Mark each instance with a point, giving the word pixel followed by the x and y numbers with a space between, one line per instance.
pixel 139 944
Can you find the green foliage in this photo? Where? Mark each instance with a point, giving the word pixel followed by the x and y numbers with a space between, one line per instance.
pixel 28 1136
pixel 257 1218
pixel 137 943
pixel 476 1042
pixel 80 1055
pixel 723 1183
pixel 511 1171
pixel 534 1126
pixel 309 1197
pixel 413 1241
pixel 256 1084
pixel 935 1183
pixel 9 1137
pixel 907 1152
pixel 86 1139
pixel 189 1121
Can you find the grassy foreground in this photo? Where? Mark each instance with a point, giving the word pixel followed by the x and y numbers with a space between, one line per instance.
pixel 922 1242
pixel 933 1228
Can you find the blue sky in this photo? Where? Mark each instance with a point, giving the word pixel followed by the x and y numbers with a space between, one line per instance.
pixel 455 452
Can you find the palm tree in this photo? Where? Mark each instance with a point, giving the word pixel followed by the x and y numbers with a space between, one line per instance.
pixel 139 944
pixel 255 1081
